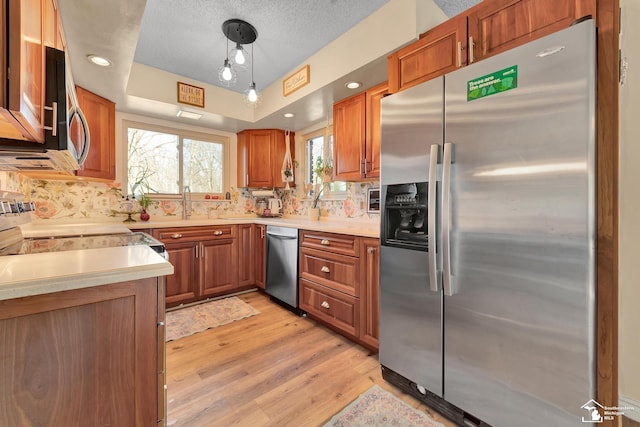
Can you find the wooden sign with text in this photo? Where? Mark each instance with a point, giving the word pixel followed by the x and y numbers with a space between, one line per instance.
pixel 189 94
pixel 296 80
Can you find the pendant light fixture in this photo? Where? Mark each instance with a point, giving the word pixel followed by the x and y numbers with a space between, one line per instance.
pixel 226 74
pixel 241 33
pixel 252 94
pixel 240 57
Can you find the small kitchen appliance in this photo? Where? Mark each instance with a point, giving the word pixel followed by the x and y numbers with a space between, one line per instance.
pixel 275 205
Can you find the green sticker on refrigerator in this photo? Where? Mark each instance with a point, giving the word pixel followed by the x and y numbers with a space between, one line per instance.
pixel 500 81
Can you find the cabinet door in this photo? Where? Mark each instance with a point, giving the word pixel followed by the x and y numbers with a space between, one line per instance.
pixel 26 67
pixel 182 285
pixel 246 270
pixel 260 168
pixel 49 23
pixel 348 138
pixel 439 51
pixel 101 119
pixel 370 292
pixel 219 266
pixel 499 25
pixel 372 144
pixel 84 357
pixel 259 233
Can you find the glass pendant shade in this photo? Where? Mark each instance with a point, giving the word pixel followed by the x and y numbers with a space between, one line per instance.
pixel 239 56
pixel 227 74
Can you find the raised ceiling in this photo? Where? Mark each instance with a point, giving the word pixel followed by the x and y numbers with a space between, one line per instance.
pixel 185 38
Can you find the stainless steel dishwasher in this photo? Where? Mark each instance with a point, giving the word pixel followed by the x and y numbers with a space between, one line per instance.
pixel 282 264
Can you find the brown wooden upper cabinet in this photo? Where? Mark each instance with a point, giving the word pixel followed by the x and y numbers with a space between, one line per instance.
pixel 438 51
pixel 498 25
pixel 260 156
pixel 356 135
pixel 101 120
pixel 31 27
pixel 491 27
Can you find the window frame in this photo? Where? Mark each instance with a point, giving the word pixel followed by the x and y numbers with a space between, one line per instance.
pixel 325 131
pixel 181 134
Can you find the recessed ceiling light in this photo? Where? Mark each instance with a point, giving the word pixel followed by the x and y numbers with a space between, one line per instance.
pixel 288 115
pixel 99 60
pixel 353 85
pixel 188 115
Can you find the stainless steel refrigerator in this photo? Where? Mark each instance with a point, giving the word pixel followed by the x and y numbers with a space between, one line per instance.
pixel 488 235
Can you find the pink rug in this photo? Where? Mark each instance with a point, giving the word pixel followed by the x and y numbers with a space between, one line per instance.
pixel 378 407
pixel 197 318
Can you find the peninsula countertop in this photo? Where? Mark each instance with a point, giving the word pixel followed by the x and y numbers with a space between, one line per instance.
pixel 43 273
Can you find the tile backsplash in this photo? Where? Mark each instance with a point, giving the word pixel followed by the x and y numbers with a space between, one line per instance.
pixel 62 199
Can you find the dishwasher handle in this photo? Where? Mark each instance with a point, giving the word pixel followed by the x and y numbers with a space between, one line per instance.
pixel 282 236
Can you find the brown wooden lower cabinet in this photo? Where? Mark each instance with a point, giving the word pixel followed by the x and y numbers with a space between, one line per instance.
pixel 88 356
pixel 370 292
pixel 246 250
pixel 205 261
pixel 260 253
pixel 338 310
pixel 219 267
pixel 339 283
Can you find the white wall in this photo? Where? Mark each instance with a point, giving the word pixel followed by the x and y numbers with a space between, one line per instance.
pixel 629 205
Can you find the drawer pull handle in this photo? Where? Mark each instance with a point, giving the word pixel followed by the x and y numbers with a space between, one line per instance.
pixel 325 242
pixel 325 269
pixel 325 305
pixel 176 236
pixel 217 233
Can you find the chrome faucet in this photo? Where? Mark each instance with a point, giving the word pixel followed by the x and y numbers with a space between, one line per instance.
pixel 186 203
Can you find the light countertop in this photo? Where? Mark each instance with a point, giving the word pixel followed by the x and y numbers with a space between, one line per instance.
pixel 46 229
pixel 42 273
pixel 353 227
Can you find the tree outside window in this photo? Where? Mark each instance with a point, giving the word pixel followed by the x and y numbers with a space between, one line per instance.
pixel 168 161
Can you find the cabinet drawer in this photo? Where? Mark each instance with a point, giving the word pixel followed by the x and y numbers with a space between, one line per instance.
pixel 334 271
pixel 195 233
pixel 336 243
pixel 335 308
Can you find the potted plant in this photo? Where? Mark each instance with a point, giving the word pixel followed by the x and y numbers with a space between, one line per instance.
pixel 145 201
pixel 140 191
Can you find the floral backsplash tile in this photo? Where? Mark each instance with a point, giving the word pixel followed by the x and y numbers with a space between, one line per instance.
pixel 66 199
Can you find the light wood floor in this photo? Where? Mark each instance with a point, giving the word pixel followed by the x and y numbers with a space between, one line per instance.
pixel 272 369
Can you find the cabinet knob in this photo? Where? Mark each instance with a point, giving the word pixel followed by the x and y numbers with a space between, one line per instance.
pixel 176 236
pixel 325 304
pixel 160 323
pixel 325 242
pixel 371 250
pixel 325 269
pixel 217 233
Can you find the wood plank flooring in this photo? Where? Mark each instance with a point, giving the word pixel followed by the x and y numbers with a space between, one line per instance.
pixel 272 369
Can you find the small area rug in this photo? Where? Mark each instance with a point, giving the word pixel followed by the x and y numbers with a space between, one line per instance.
pixel 197 318
pixel 378 407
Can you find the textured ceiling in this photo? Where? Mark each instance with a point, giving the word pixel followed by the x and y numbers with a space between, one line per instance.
pixel 185 37
pixel 181 36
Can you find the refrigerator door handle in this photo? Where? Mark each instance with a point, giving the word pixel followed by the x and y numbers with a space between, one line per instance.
pixel 447 279
pixel 434 241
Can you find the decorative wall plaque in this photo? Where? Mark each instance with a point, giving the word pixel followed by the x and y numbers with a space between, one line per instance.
pixel 191 95
pixel 296 80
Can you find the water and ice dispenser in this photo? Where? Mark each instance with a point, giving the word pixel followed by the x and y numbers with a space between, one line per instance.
pixel 405 216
